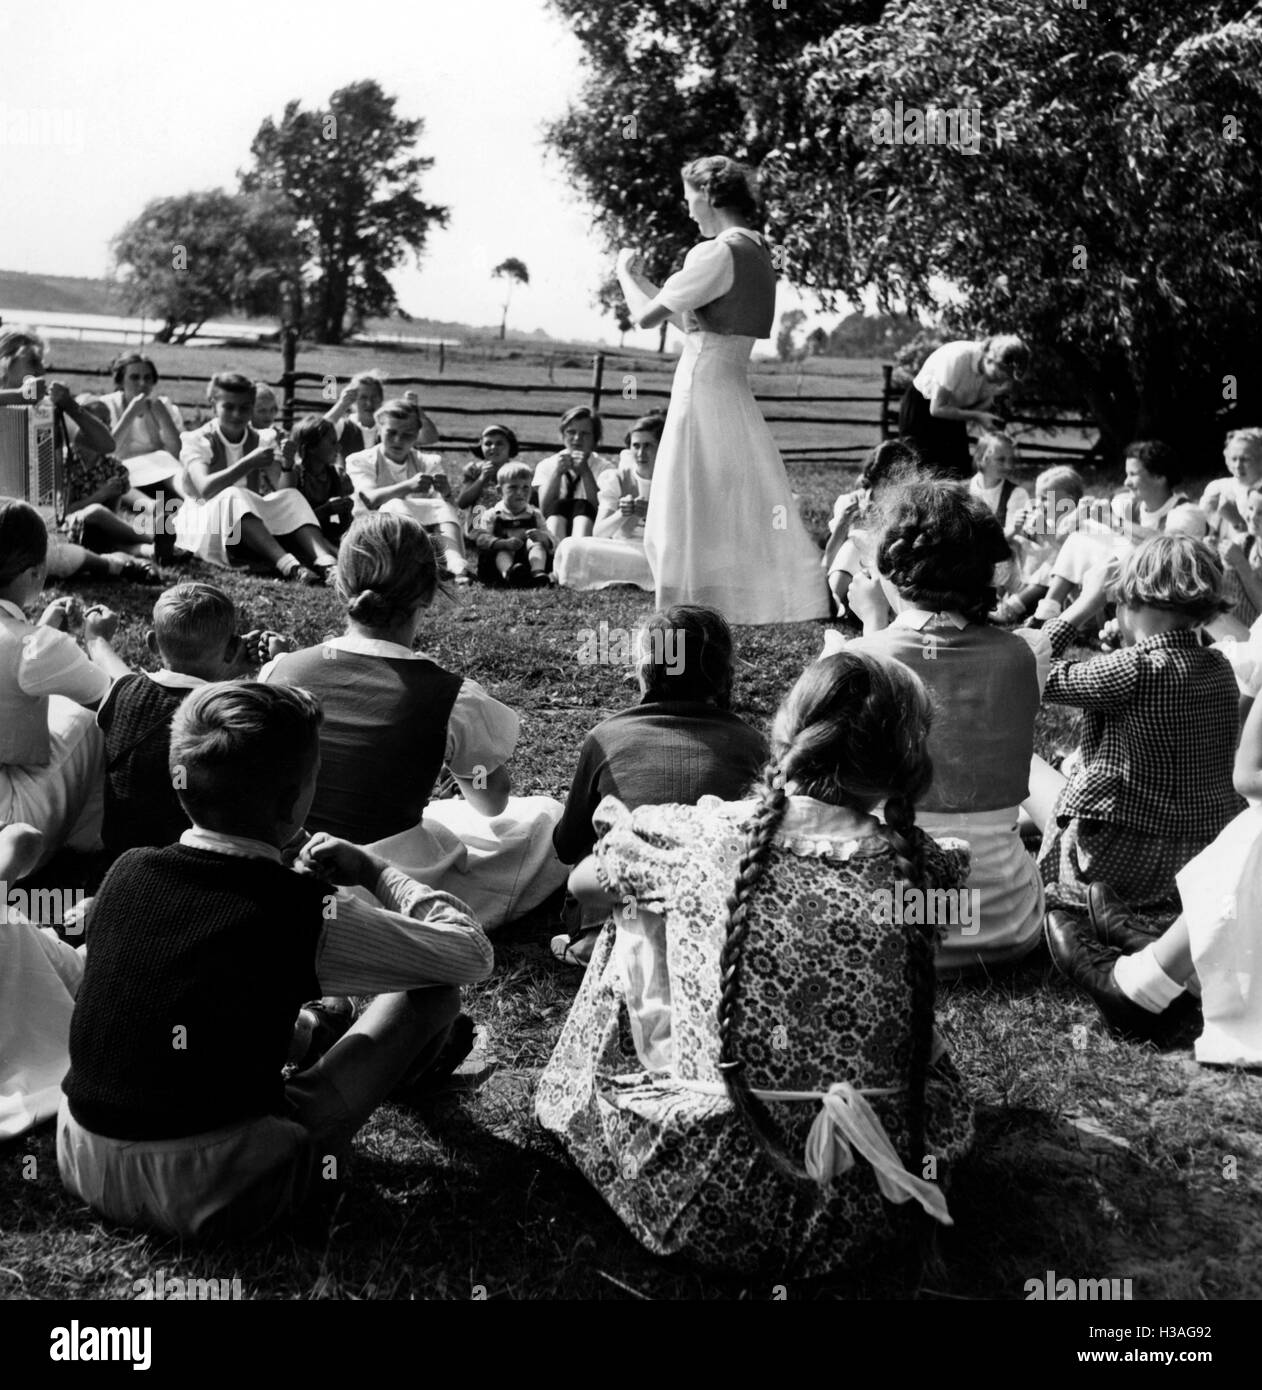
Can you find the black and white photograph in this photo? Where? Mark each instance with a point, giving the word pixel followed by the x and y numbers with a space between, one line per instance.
pixel 629 646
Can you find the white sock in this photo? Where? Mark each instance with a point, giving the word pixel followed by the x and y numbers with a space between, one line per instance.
pixel 324 562
pixel 1144 982
pixel 116 561
pixel 287 564
pixel 1048 609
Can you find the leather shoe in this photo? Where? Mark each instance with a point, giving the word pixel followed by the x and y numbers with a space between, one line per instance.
pixel 1113 922
pixel 1089 964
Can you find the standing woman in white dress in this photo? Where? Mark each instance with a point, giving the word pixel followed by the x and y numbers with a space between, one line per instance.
pixel 722 529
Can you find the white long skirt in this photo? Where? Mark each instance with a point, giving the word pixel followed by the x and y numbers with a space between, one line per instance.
pixel 501 866
pixel 39 978
pixel 64 798
pixel 722 528
pixel 1221 893
pixel 593 562
pixel 1004 875
pixel 207 527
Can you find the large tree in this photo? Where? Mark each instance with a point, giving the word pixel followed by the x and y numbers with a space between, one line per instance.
pixel 353 179
pixel 186 259
pixel 1111 208
pixel 668 81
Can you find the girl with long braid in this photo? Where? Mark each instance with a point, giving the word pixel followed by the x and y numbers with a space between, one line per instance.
pixel 764 1003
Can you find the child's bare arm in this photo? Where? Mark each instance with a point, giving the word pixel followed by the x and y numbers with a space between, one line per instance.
pixel 1248 770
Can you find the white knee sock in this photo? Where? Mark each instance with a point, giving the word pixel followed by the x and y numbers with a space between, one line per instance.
pixel 287 564
pixel 1048 609
pixel 1144 982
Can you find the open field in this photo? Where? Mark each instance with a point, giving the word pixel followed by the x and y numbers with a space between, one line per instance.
pixel 1094 1158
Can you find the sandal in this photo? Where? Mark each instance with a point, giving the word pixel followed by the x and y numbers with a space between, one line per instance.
pixel 577 949
pixel 140 572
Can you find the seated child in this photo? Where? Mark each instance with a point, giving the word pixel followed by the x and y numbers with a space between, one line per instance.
pixel 194 635
pixel 760 990
pixel 993 458
pixel 1241 555
pixel 513 542
pixel 1152 786
pixel 614 554
pixel 320 477
pixel 480 489
pixel 266 407
pixel 176 1117
pixel 566 483
pixel 856 518
pixel 50 748
pixel 393 718
pixel 1149 505
pixel 358 431
pixel 1141 984
pixel 96 486
pixel 143 423
pixel 680 743
pixel 393 477
pixel 1040 532
pixel 225 519
pixel 1225 501
pixel 936 557
pixel 851 508
pixel 39 977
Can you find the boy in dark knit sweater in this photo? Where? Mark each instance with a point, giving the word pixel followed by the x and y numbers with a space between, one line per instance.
pixel 194 635
pixel 176 1116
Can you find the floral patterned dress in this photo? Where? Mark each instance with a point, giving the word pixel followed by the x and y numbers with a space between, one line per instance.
pixel 824 999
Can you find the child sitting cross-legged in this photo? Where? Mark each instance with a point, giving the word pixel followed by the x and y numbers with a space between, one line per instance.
pixel 176 1116
pixel 1142 984
pixel 320 477
pixel 194 635
pixel 1152 786
pixel 513 541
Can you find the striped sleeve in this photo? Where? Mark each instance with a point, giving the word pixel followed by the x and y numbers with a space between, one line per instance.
pixel 418 937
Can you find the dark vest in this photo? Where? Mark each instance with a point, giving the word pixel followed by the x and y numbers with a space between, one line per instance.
pixel 141 807
pixel 748 309
pixel 383 739
pixel 197 966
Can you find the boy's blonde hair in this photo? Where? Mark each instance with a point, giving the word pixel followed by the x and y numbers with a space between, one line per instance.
pixel 1251 437
pixel 1063 481
pixel 515 473
pixel 230 740
pixel 399 409
pixel 1176 574
pixel 193 624
pixel 988 440
pixel 263 392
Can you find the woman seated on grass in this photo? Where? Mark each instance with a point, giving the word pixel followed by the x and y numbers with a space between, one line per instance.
pixel 393 717
pixel 757 970
pixel 680 743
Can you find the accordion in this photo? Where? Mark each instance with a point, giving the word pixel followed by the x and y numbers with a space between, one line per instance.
pixel 32 458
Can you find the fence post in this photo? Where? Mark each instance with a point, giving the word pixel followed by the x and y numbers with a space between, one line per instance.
pixel 598 380
pixel 887 390
pixel 288 357
pixel 442 356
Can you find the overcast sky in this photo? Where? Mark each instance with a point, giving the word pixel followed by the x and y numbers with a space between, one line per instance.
pixel 145 99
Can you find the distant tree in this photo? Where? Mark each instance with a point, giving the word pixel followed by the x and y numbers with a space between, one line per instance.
pixel 609 298
pixel 353 181
pixel 515 272
pixel 786 340
pixel 189 258
pixel 817 342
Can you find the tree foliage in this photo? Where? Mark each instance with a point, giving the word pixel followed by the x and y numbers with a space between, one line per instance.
pixel 189 258
pixel 1112 212
pixel 352 177
pixel 1111 209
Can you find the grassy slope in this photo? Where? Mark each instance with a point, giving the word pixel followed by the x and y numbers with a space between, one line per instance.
pixel 1094 1158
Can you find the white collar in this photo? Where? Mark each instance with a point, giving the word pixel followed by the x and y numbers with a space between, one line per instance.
pixel 8 606
pixel 175 680
pixel 239 846
pixel 375 646
pixel 920 618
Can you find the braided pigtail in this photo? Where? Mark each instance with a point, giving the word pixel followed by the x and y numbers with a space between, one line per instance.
pixel 908 845
pixel 772 803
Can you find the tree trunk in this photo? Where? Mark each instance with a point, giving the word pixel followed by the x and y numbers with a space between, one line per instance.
pixel 503 322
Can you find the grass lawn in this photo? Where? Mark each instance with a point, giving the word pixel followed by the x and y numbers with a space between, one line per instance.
pixel 1094 1158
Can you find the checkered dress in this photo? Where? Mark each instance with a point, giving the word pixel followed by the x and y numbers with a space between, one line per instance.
pixel 1153 785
